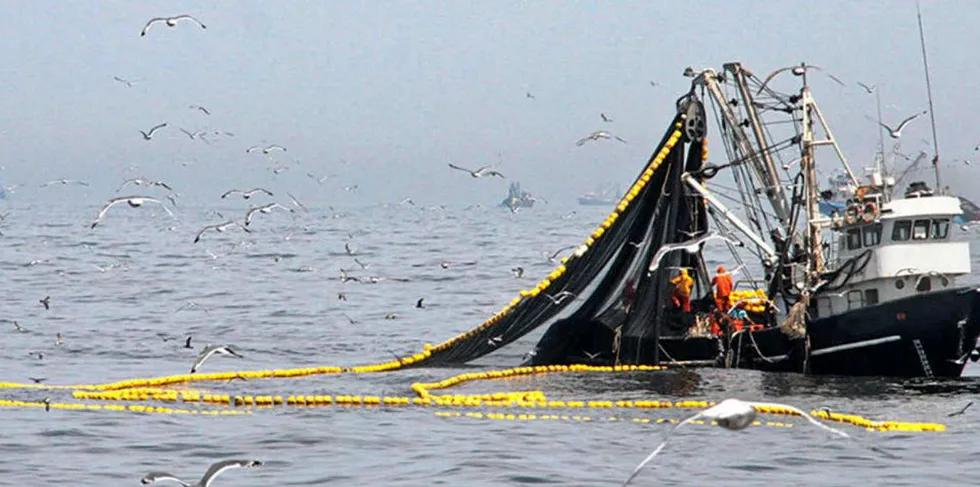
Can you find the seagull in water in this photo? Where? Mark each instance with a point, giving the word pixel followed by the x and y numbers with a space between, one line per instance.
pixel 896 133
pixel 690 246
pixel 170 22
pixel 479 173
pixel 213 471
pixel 210 350
pixel 132 201
pixel 731 414
pixel 220 228
pixel 149 135
pixel 246 194
pixel 262 209
pixel 596 136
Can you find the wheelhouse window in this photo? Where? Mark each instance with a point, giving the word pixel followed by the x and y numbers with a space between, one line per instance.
pixel 940 228
pixel 872 235
pixel 902 230
pixel 870 297
pixel 855 299
pixel 920 229
pixel 854 239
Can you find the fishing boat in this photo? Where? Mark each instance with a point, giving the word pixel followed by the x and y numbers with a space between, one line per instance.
pixel 606 195
pixel 876 288
pixel 517 198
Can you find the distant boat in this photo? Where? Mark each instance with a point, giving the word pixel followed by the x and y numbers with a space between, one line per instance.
pixel 517 198
pixel 606 195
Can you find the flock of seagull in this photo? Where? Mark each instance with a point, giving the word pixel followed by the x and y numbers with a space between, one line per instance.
pixel 730 414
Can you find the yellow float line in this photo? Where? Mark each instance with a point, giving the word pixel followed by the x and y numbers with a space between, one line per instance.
pixel 112 407
pixel 588 419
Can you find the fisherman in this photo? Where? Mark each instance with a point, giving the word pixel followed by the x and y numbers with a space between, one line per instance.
pixel 723 288
pixel 682 291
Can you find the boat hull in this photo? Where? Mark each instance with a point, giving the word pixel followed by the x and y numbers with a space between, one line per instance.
pixel 873 341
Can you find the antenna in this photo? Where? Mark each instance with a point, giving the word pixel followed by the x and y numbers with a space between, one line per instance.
pixel 932 113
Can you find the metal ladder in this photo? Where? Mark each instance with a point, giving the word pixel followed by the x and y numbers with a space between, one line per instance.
pixel 922 357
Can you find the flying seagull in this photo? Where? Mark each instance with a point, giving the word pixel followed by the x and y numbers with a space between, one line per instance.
pixel 605 118
pixel 221 227
pixel 170 22
pixel 528 95
pixel 64 182
pixel 46 302
pixel 798 70
pixel 128 83
pixel 262 209
pixel 199 107
pixel 144 182
pixel 265 150
pixel 210 350
pixel 896 133
pixel 149 135
pixel 213 471
pixel 869 89
pixel 597 135
pixel 731 414
pixel 132 201
pixel 246 194
pixel 200 134
pixel 479 173
pixel 690 246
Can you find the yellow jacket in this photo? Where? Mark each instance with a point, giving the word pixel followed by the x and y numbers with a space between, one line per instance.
pixel 683 283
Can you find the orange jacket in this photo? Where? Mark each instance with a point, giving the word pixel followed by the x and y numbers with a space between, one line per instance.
pixel 722 282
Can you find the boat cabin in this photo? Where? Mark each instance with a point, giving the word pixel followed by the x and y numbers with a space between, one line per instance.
pixel 896 250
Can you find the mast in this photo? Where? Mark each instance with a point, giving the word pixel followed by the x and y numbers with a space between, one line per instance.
pixel 932 113
pixel 809 169
pixel 769 178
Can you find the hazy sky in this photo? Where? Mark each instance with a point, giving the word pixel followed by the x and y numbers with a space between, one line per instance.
pixel 398 89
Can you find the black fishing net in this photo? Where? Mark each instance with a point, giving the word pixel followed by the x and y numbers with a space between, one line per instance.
pixel 602 304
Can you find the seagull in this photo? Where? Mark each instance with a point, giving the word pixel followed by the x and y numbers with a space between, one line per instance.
pixel 46 302
pixel 342 296
pixel 528 95
pixel 213 471
pixel 361 264
pixel 220 227
pixel 144 182
pixel 297 204
pixel 869 89
pixel 128 83
pixel 605 118
pixel 344 276
pixel 553 258
pixel 262 209
pixel 18 327
pixel 798 70
pixel 58 341
pixel 961 411
pixel 38 380
pixel 494 341
pixel 896 133
pixel 133 201
pixel 199 107
pixel 319 179
pixel 200 134
pixel 559 298
pixel 64 182
pixel 149 135
pixel 210 350
pixel 479 173
pixel 597 135
pixel 518 272
pixel 731 414
pixel 349 319
pixel 47 403
pixel 690 246
pixel 246 194
pixel 265 150
pixel 418 304
pixel 391 316
pixel 347 248
pixel 350 188
pixel 187 343
pixel 170 22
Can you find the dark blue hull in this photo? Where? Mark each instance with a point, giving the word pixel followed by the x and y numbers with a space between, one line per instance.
pixel 923 336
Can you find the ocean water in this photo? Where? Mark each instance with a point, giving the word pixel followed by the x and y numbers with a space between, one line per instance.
pixel 117 291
